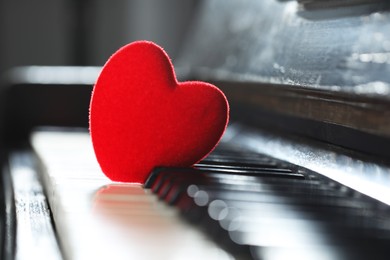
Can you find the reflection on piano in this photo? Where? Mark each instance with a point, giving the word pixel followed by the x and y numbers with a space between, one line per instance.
pixel 303 171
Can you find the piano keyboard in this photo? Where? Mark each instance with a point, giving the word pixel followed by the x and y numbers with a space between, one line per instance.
pixel 98 219
pixel 277 213
pixel 235 204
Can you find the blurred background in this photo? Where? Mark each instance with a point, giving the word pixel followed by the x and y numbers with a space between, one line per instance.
pixel 87 32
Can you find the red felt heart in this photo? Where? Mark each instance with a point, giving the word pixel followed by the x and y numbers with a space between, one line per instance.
pixel 141 117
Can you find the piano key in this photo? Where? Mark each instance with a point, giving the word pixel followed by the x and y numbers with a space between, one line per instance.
pixel 168 187
pixel 238 158
pixel 162 174
pixel 243 170
pixel 210 165
pixel 253 182
pixel 196 214
pixel 34 236
pixel 241 162
pixel 254 211
pixel 295 234
pixel 237 171
pixel 98 219
pixel 329 210
pixel 298 193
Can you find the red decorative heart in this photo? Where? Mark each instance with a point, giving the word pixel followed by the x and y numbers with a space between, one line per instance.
pixel 141 117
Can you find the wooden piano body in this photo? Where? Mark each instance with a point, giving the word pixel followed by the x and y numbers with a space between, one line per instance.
pixel 302 172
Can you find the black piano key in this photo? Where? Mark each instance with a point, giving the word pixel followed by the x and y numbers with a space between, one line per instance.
pixel 226 173
pixel 314 207
pixel 235 162
pixel 241 159
pixel 251 181
pixel 196 215
pixel 241 156
pixel 313 199
pixel 156 172
pixel 339 220
pixel 334 229
pixel 264 190
pixel 240 163
pixel 164 182
pixel 251 170
pixel 352 251
pixel 301 191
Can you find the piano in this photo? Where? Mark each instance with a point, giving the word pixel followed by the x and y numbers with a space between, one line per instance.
pixel 302 172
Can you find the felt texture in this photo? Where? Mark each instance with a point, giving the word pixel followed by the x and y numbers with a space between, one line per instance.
pixel 142 117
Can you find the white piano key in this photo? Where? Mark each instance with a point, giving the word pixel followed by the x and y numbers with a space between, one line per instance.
pixel 35 236
pixel 98 219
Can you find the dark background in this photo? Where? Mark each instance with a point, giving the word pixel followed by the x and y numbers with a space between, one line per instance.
pixel 86 32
